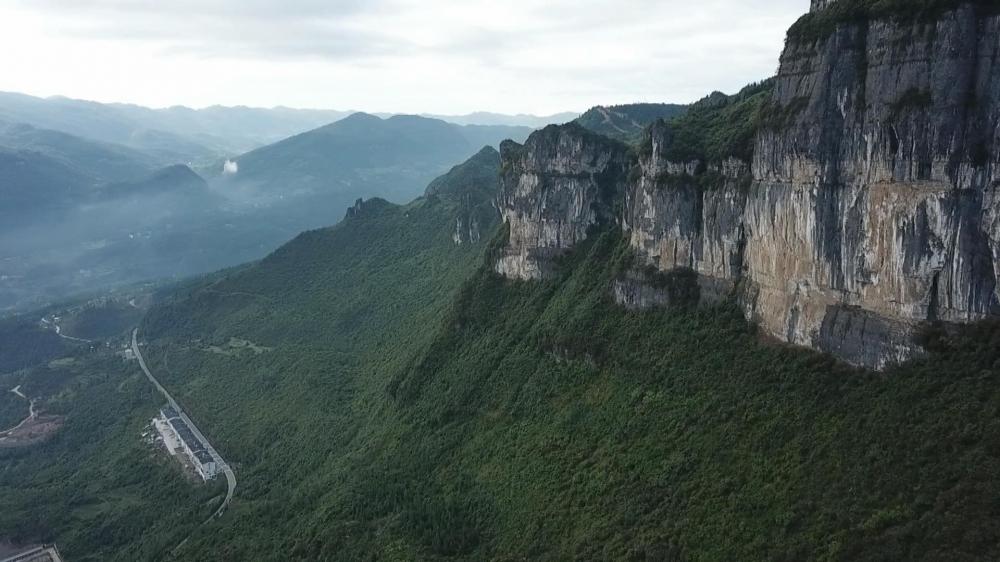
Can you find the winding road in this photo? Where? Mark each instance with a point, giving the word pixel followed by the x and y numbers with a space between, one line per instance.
pixel 62 335
pixel 32 413
pixel 224 466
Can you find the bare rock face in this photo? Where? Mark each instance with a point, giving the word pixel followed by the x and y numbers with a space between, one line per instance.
pixel 874 190
pixel 820 4
pixel 679 217
pixel 467 230
pixel 643 289
pixel 553 189
pixel 871 204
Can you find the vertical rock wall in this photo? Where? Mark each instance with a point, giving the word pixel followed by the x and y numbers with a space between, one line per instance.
pixel 553 189
pixel 871 205
pixel 872 192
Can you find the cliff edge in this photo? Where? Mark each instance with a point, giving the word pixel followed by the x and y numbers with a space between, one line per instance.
pixel 844 203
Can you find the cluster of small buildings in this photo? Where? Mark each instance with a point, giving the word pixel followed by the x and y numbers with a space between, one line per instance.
pixel 180 440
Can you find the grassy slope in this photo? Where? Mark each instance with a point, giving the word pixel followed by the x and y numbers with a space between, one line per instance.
pixel 717 127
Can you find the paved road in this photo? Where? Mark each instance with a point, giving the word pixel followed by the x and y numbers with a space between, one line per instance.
pixel 230 476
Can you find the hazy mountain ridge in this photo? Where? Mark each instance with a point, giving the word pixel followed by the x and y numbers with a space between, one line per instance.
pixel 84 215
pixel 360 155
pixel 200 136
pixel 102 162
pixel 172 135
pixel 627 122
pixel 517 120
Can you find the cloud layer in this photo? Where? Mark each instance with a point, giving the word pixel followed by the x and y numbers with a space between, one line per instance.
pixel 443 56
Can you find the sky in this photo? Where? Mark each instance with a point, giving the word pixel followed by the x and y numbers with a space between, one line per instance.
pixel 413 56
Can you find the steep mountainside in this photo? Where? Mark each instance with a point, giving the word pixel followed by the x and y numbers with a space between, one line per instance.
pixel 627 122
pixel 571 374
pixel 861 205
pixel 385 395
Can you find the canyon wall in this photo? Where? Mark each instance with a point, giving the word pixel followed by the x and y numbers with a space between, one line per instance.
pixel 869 205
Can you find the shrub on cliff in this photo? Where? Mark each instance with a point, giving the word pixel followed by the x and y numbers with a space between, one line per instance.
pixel 821 24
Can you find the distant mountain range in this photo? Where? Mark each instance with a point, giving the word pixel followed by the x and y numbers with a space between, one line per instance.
pixel 173 135
pixel 82 213
pixel 519 120
pixel 97 195
pixel 363 154
pixel 198 136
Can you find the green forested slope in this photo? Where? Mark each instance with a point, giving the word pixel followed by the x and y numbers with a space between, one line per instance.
pixel 96 487
pixel 330 316
pixel 627 122
pixel 26 343
pixel 383 395
pixel 389 410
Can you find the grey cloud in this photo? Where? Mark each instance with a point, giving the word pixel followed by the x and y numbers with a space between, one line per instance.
pixel 440 55
pixel 345 29
pixel 267 10
pixel 231 28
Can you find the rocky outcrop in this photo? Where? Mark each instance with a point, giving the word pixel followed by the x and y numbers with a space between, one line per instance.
pixel 553 189
pixel 871 204
pixel 680 217
pixel 820 4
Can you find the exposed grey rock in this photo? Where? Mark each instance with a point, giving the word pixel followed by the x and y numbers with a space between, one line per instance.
pixel 872 203
pixel 553 189
pixel 466 230
pixel 640 290
pixel 820 4
pixel 676 221
pixel 863 337
pixel 636 293
pixel 874 192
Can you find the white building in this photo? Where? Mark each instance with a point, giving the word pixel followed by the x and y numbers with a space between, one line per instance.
pixel 180 440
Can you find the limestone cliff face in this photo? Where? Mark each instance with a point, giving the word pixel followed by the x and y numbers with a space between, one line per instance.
pixel 871 203
pixel 873 189
pixel 553 189
pixel 680 217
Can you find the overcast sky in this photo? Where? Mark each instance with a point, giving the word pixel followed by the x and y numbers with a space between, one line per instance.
pixel 436 56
